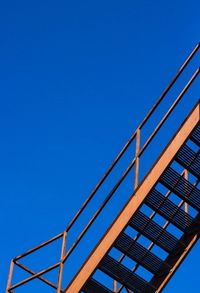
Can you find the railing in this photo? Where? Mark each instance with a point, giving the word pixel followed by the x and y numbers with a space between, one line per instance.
pixel 135 163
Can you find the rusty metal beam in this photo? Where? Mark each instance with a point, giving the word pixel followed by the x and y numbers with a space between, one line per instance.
pixel 34 276
pixel 10 276
pixel 33 273
pixel 39 246
pixel 134 203
pixel 60 274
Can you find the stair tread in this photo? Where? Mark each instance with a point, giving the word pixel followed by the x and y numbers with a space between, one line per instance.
pixel 195 137
pixel 182 187
pixel 153 231
pixel 189 160
pixel 123 275
pixel 138 253
pixel 93 286
pixel 168 210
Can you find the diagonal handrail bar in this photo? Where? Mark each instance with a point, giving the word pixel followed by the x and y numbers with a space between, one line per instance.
pixel 34 276
pixel 152 110
pixel 39 246
pixel 194 76
pixel 33 273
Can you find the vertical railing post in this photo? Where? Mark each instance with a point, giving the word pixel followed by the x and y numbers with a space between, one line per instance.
pixel 186 191
pixel 137 150
pixel 60 274
pixel 10 276
pixel 115 286
pixel 136 180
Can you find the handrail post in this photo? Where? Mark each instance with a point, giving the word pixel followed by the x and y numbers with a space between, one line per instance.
pixel 186 194
pixel 60 274
pixel 115 286
pixel 10 276
pixel 137 151
pixel 186 178
pixel 136 179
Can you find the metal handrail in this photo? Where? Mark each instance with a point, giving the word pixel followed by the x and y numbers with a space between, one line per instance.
pixel 129 168
pixel 152 110
pixel 178 99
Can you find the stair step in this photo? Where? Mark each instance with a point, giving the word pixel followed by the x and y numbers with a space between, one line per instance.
pixel 189 160
pixel 182 187
pixel 93 286
pixel 170 211
pixel 153 231
pixel 124 276
pixel 195 137
pixel 141 255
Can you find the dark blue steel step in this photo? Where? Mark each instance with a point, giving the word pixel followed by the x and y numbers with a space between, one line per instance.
pixel 93 286
pixel 189 160
pixel 195 137
pixel 153 231
pixel 141 255
pixel 124 276
pixel 170 211
pixel 182 187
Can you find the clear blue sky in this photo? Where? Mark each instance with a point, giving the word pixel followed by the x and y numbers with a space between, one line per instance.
pixel 76 78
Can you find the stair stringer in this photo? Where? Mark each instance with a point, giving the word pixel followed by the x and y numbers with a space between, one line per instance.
pixel 134 202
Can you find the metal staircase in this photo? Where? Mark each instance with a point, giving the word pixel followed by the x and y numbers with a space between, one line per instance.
pixel 153 231
pixel 175 247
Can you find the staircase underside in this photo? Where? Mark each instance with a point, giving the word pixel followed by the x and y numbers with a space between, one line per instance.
pixel 156 229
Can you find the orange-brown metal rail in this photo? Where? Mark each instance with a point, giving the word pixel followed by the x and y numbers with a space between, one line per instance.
pixel 135 162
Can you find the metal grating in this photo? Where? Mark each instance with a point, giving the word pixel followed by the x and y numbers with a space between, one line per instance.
pixel 120 273
pixel 153 231
pixel 169 210
pixel 140 254
pixel 189 160
pixel 92 286
pixel 196 136
pixel 183 188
